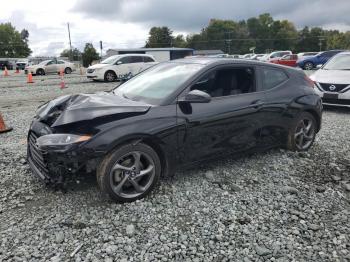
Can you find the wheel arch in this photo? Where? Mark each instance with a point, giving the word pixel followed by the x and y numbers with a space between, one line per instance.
pixel 149 140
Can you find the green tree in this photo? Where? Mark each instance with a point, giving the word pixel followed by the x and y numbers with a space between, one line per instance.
pixel 89 54
pixel 12 42
pixel 75 56
pixel 160 37
pixel 179 41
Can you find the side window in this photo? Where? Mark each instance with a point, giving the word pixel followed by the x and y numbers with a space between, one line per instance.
pixel 272 77
pixel 50 63
pixel 147 59
pixel 125 60
pixel 227 82
pixel 60 62
pixel 136 59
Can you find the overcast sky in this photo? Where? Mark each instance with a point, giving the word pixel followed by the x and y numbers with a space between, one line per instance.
pixel 125 23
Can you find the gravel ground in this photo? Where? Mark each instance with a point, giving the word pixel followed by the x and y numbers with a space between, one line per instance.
pixel 273 206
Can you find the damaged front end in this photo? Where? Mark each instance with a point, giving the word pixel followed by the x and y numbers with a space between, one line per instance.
pixel 63 126
pixel 54 161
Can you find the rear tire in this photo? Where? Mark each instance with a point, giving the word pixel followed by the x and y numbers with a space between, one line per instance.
pixel 129 173
pixel 301 135
pixel 110 76
pixel 309 66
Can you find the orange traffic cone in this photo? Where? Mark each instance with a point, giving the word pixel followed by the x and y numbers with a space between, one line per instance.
pixel 30 78
pixel 62 84
pixel 3 127
pixel 6 73
pixel 61 73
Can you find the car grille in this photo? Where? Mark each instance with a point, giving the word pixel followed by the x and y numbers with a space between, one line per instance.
pixel 336 101
pixel 335 87
pixel 90 70
pixel 36 154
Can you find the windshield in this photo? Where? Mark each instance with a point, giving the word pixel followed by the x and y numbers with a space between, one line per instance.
pixel 111 60
pixel 340 62
pixel 157 83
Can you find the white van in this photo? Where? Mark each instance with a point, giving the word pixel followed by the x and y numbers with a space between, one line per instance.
pixel 120 67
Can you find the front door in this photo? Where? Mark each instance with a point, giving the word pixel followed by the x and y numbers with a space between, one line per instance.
pixel 51 67
pixel 229 123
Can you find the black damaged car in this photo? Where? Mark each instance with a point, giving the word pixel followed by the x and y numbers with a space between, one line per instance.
pixel 174 114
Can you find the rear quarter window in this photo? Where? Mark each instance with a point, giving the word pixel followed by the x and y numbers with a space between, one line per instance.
pixel 272 77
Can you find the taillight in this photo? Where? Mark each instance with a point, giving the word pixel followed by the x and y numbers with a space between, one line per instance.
pixel 309 81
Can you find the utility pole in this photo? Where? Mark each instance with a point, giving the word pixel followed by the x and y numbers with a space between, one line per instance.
pixel 70 44
pixel 320 42
pixel 101 48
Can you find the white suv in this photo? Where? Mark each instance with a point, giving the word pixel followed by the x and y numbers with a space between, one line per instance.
pixel 120 67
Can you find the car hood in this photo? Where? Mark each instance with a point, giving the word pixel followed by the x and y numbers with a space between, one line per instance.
pixel 331 76
pixel 97 66
pixel 74 108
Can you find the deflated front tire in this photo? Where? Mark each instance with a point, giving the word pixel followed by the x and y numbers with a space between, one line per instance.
pixel 129 173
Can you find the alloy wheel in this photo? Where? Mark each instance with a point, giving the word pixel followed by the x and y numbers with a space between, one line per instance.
pixel 132 174
pixel 304 134
pixel 309 66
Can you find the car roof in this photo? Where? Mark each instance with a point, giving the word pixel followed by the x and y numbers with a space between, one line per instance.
pixel 219 61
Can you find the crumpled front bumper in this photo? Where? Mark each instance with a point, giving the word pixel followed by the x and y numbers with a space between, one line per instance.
pixel 53 166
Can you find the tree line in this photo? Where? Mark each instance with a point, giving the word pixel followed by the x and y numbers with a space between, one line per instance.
pixel 261 33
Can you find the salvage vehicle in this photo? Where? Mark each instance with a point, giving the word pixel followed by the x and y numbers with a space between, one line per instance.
pixel 172 115
pixel 120 67
pixel 333 81
pixel 50 66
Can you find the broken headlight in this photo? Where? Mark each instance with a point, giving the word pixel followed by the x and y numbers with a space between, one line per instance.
pixel 61 139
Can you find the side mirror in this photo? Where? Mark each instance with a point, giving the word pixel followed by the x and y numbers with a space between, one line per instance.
pixel 196 96
pixel 119 62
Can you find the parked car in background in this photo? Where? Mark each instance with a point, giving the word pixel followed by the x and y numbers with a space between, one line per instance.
pixel 257 56
pixel 307 54
pixel 247 56
pixel 310 62
pixel 22 63
pixel 7 64
pixel 274 55
pixel 287 60
pixel 174 114
pixel 333 80
pixel 50 67
pixel 119 67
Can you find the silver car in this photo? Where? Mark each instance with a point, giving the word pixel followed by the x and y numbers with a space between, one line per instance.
pixel 333 80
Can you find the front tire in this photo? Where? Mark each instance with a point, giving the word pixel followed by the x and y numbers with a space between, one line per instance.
pixel 68 71
pixel 40 72
pixel 110 76
pixel 129 173
pixel 302 134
